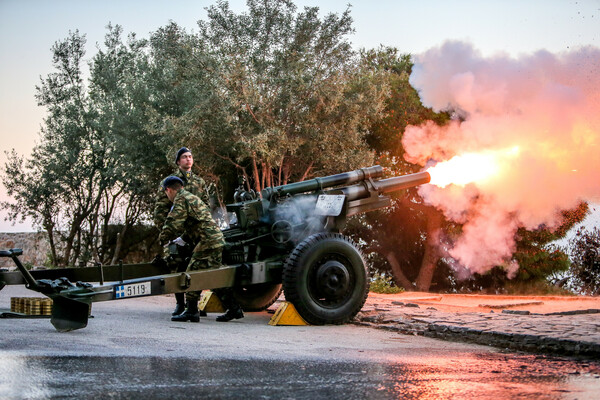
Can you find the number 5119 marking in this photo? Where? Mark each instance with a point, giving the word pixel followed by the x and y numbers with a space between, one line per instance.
pixel 133 290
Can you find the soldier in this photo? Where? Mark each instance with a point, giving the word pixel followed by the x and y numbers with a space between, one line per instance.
pixel 193 184
pixel 190 221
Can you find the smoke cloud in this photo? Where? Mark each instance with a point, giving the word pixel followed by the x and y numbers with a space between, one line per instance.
pixel 546 105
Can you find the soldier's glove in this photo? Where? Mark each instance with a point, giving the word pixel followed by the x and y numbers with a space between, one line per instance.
pixel 158 261
pixel 179 241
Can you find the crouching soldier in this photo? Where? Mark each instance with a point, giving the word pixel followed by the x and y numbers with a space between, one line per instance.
pixel 190 221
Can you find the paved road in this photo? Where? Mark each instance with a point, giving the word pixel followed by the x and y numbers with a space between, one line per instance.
pixel 131 349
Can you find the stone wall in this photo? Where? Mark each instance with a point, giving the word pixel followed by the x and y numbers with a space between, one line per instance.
pixel 34 244
pixel 141 246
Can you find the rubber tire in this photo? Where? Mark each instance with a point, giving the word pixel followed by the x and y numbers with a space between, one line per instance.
pixel 257 297
pixel 300 283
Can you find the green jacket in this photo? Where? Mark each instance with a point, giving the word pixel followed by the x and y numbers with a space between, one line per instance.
pixel 193 184
pixel 190 218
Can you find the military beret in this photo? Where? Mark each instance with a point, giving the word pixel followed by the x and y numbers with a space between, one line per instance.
pixel 180 152
pixel 171 180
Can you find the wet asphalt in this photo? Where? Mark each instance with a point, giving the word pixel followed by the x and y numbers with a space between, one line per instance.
pixel 131 350
pixel 470 375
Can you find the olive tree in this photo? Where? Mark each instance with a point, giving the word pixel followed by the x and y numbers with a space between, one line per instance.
pixel 290 97
pixel 94 164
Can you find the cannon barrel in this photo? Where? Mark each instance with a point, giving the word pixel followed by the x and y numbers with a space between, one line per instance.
pixel 331 181
pixel 387 185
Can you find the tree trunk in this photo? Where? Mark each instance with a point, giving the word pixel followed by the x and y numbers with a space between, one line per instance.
pixel 280 170
pixel 119 245
pixel 264 182
pixel 76 249
pixel 305 175
pixel 432 255
pixel 286 174
pixel 49 226
pixel 399 277
pixel 256 176
pixel 69 245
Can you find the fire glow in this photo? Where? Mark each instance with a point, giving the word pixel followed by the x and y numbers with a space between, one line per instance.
pixel 546 104
pixel 468 168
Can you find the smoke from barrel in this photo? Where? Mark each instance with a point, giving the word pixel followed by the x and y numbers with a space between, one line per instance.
pixel 546 106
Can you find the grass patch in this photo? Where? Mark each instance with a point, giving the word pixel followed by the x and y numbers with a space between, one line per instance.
pixel 536 288
pixel 384 284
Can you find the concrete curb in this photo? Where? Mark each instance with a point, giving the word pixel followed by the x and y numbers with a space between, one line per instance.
pixel 513 341
pixel 573 333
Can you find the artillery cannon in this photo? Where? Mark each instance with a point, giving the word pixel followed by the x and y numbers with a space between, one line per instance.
pixel 288 238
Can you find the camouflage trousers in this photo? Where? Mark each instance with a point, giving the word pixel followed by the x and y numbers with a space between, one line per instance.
pixel 211 259
pixel 207 259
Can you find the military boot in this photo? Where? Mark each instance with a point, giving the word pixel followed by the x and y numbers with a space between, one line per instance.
pixel 232 313
pixel 180 306
pixel 191 313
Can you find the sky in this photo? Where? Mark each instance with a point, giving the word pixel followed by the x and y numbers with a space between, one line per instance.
pixel 29 28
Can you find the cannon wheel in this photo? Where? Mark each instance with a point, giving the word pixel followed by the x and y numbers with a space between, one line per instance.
pixel 257 297
pixel 326 279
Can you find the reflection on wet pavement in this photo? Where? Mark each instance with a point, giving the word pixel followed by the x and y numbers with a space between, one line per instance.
pixel 475 376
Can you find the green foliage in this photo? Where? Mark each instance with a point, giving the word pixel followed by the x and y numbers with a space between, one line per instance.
pixel 403 108
pixel 48 262
pixel 381 283
pixel 536 258
pixel 95 162
pixel 28 265
pixel 534 288
pixel 293 98
pixel 64 168
pixel 536 263
pixel 584 274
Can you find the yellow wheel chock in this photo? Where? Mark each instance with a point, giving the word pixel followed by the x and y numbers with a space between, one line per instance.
pixel 209 302
pixel 287 314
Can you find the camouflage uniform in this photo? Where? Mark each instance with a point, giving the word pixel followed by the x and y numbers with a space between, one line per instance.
pixel 192 183
pixel 191 220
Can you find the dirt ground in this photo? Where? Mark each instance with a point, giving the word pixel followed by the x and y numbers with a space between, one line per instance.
pixel 486 303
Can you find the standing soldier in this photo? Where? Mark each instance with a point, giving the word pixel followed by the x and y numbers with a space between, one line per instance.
pixel 190 221
pixel 193 184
